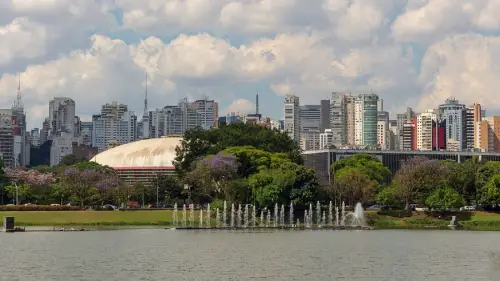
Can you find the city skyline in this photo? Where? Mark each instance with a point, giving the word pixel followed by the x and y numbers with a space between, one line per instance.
pixel 408 52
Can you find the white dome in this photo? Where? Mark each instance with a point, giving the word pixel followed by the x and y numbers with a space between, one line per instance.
pixel 149 153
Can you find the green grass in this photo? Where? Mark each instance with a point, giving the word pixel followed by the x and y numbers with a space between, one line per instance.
pixel 60 218
pixel 468 221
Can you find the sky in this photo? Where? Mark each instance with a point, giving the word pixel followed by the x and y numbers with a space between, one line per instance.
pixel 410 52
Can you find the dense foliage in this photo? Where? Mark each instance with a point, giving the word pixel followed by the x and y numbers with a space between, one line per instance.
pixel 199 143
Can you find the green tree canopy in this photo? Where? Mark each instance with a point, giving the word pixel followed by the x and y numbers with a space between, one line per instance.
pixel 388 196
pixel 198 143
pixel 353 184
pixel 367 164
pixel 444 198
pixel 490 193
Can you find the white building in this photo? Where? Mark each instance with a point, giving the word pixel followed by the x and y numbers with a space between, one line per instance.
pixel 292 117
pixel 209 112
pixel 61 115
pixel 6 138
pixel 382 135
pixel 358 121
pixel 108 129
pixel 62 145
pixel 310 140
pixel 456 123
pixel 326 139
pixel 424 129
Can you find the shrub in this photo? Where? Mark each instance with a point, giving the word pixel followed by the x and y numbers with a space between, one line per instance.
pixel 38 208
pixel 395 213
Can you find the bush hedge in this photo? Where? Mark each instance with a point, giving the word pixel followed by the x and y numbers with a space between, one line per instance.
pixel 395 213
pixel 38 208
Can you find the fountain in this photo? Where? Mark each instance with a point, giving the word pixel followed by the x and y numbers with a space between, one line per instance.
pixel 209 217
pixel 310 216
pixel 254 218
pixel 245 216
pixel 336 216
pixel 217 218
pixel 184 215
pixel 330 214
pixel 343 214
pixel 174 216
pixel 224 215
pixel 318 213
pixel 232 215
pixel 238 216
pixel 275 215
pixel 191 215
pixel 356 218
pixel 282 216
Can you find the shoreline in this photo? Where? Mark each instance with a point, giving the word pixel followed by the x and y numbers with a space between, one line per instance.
pixel 154 219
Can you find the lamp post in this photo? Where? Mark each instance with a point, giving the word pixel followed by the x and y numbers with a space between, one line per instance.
pixel 17 192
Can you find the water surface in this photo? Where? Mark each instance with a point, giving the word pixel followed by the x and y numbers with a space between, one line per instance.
pixel 158 254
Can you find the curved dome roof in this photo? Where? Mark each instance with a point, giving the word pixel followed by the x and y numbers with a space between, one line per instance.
pixel 149 153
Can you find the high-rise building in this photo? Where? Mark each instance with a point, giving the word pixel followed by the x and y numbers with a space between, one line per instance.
pixel 325 115
pixel 292 117
pixel 455 115
pixel 326 139
pixel 366 120
pixel 44 132
pixel 484 135
pixel 425 122
pixel 401 120
pixel 21 138
pixel 338 119
pixel 61 115
pixel 209 112
pixel 350 117
pixel 310 118
pixel 7 138
pixel 108 130
pixel 473 117
pixel 35 137
pixel 383 132
pixel 310 140
pixel 86 131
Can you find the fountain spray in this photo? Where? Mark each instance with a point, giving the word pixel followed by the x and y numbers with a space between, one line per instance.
pixel 209 217
pixel 291 214
pixel 330 213
pixel 184 215
pixel 174 215
pixel 201 217
pixel 224 215
pixel 318 213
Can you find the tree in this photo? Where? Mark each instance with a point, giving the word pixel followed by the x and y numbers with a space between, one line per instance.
pixel 484 175
pixel 387 196
pixel 490 193
pixel 444 198
pixel 416 178
pixel 367 164
pixel 170 188
pixel 198 143
pixel 214 174
pixel 71 159
pixel 90 186
pixel 462 176
pixel 354 185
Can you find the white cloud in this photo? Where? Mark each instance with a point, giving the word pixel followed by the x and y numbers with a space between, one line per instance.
pixel 21 39
pixel 464 67
pixel 427 21
pixel 241 106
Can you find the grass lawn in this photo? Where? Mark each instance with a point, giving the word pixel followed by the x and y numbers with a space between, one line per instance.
pixel 39 218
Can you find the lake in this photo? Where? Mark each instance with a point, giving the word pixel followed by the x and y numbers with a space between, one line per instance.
pixel 158 254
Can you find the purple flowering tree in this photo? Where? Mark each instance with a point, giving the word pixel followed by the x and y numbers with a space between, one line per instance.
pixel 214 173
pixel 30 177
pixel 90 186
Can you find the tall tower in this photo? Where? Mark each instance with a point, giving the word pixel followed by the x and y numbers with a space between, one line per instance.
pixel 257 104
pixel 292 117
pixel 145 116
pixel 18 103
